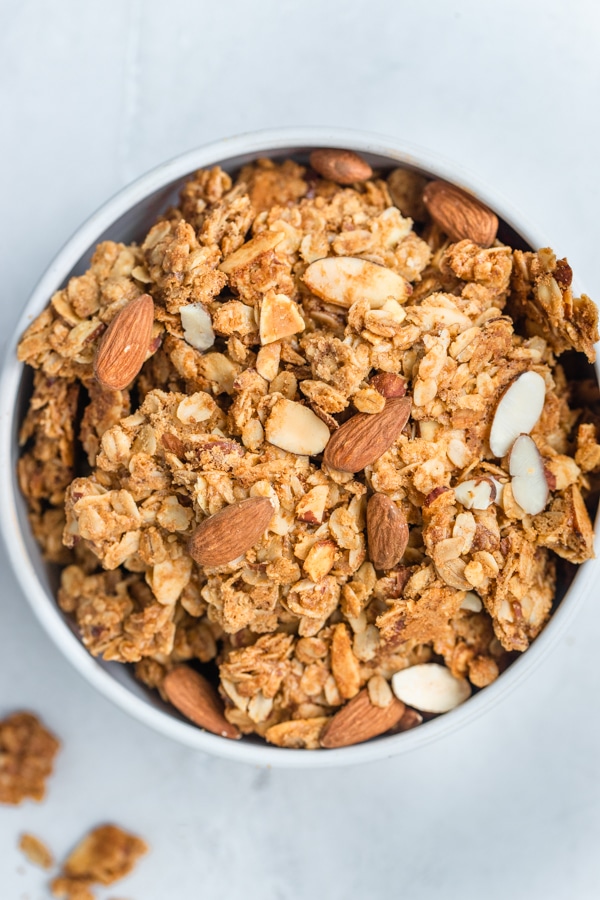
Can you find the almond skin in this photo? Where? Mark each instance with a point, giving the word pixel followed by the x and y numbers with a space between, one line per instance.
pixel 341 166
pixel 122 351
pixel 389 385
pixel 359 720
pixel 365 437
pixel 198 700
pixel 387 532
pixel 459 214
pixel 230 532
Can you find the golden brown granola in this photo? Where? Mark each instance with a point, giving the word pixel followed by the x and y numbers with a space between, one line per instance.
pixel 104 856
pixel 251 357
pixel 27 752
pixel 36 851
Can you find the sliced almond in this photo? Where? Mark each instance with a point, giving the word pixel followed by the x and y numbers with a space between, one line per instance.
pixel 279 317
pixel 122 351
pixel 197 326
pixel 529 485
pixel 359 720
pixel 320 559
pixel 387 532
pixel 345 279
pixel 389 385
pixel 364 438
pixel 460 214
pixel 472 602
pixel 517 412
pixel 341 166
pixel 198 700
pixel 312 506
pixel 295 428
pixel 430 688
pixel 251 250
pixel 476 493
pixel 232 531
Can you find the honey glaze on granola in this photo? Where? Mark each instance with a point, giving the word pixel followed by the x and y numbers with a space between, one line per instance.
pixel 287 307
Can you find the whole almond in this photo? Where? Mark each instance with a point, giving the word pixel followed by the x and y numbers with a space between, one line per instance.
pixel 230 532
pixel 341 166
pixel 122 351
pixel 198 700
pixel 387 532
pixel 459 214
pixel 389 385
pixel 365 437
pixel 359 720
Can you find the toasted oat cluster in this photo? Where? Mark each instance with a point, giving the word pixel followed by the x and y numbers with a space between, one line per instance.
pixel 27 752
pixel 313 432
pixel 105 855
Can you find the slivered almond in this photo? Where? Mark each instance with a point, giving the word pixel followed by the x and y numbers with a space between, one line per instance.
pixel 364 438
pixel 387 532
pixel 517 412
pixel 231 531
pixel 122 351
pixel 345 279
pixel 389 385
pixel 359 720
pixel 198 700
pixel 341 166
pixel 459 214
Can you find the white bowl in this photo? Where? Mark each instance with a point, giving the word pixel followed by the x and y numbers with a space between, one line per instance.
pixel 125 218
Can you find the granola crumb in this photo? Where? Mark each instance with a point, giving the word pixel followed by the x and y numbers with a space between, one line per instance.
pixel 105 855
pixel 36 851
pixel 27 751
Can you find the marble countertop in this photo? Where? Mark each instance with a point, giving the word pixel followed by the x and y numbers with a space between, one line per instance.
pixel 94 94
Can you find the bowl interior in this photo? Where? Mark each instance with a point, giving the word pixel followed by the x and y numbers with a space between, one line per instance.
pixel 131 226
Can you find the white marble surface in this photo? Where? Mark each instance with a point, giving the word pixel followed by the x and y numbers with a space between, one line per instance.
pixel 91 95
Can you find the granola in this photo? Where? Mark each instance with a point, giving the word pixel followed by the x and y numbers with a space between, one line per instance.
pixel 105 855
pixel 287 309
pixel 27 752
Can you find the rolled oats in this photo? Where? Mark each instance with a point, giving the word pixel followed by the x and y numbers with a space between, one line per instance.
pixel 313 349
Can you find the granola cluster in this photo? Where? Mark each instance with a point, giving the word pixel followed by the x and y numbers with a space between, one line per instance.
pixel 253 355
pixel 27 751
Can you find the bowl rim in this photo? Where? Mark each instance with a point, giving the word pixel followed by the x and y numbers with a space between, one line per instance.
pixel 44 604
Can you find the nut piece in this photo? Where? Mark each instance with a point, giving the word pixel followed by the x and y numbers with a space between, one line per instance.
pixel 529 485
pixel 341 166
pixel 122 351
pixel 389 385
pixel 459 214
pixel 197 326
pixel 295 428
pixel 251 250
pixel 430 688
pixel 197 699
pixel 406 190
pixel 311 506
pixel 359 720
pixel 279 317
pixel 476 493
pixel 387 532
pixel 364 438
pixel 345 279
pixel 230 532
pixel 517 412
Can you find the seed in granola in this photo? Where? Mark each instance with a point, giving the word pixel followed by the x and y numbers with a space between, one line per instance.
pixel 197 326
pixel 361 440
pixel 389 385
pixel 198 700
pixel 344 280
pixel 279 318
pixel 472 602
pixel 296 428
pixel 124 346
pixel 517 412
pixel 360 720
pixel 476 493
pixel 430 687
pixel 387 532
pixel 529 484
pixel 459 214
pixel 232 531
pixel 341 166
